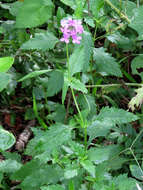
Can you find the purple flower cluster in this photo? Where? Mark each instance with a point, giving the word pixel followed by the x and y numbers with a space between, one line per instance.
pixel 70 29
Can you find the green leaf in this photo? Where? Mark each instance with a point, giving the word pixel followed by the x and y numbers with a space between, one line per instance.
pixel 70 173
pixel 95 7
pixel 71 3
pixel 48 140
pixel 137 100
pixel 79 60
pixel 105 63
pixel 41 41
pixel 30 172
pixel 99 155
pixel 7 139
pixel 5 79
pixel 6 63
pixel 136 172
pixel 77 85
pixel 55 83
pixel 137 21
pixel 34 74
pixel 87 165
pixel 52 187
pixel 116 116
pixel 9 166
pixel 137 64
pixel 108 118
pixel 123 182
pixel 33 13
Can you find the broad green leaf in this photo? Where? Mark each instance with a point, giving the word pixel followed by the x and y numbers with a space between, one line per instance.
pixel 88 165
pixel 99 155
pixel 7 139
pixel 95 7
pixel 116 116
pixel 108 118
pixel 52 187
pixel 48 140
pixel 79 60
pixel 34 174
pixel 54 83
pixel 105 63
pixel 77 85
pixel 99 129
pixel 137 21
pixel 71 3
pixel 6 63
pixel 70 173
pixel 4 80
pixel 122 41
pixel 136 172
pixel 9 166
pixel 136 64
pixel 137 100
pixel 123 182
pixel 34 74
pixel 41 41
pixel 33 13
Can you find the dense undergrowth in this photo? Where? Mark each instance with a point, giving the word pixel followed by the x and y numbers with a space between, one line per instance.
pixel 71 94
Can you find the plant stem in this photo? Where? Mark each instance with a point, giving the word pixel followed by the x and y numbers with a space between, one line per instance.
pixel 112 85
pixel 122 15
pixel 77 107
pixel 67 51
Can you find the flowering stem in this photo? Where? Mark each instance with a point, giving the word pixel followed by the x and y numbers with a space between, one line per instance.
pixel 67 51
pixel 81 118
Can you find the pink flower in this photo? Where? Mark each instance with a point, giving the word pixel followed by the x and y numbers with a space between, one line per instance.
pixel 71 28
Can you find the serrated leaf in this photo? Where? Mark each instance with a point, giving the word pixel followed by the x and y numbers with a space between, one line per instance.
pixel 7 140
pixel 137 21
pixel 33 13
pixel 55 83
pixel 48 140
pixel 136 172
pixel 4 80
pixel 79 60
pixel 41 41
pixel 99 155
pixel 6 63
pixel 123 182
pixel 108 118
pixel 77 85
pixel 137 100
pixel 105 63
pixel 70 173
pixel 116 116
pixel 52 187
pixel 30 172
pixel 34 74
pixel 137 63
pixel 88 165
pixel 9 166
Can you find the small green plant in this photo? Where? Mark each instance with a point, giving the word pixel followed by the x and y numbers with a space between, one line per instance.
pixel 75 69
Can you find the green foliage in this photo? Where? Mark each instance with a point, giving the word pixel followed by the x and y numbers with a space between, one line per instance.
pixel 37 13
pixel 6 63
pixel 41 41
pixel 5 79
pixel 105 63
pixel 83 138
pixel 7 140
pixel 48 140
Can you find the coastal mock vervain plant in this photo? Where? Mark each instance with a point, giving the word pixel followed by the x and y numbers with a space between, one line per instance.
pixel 71 28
